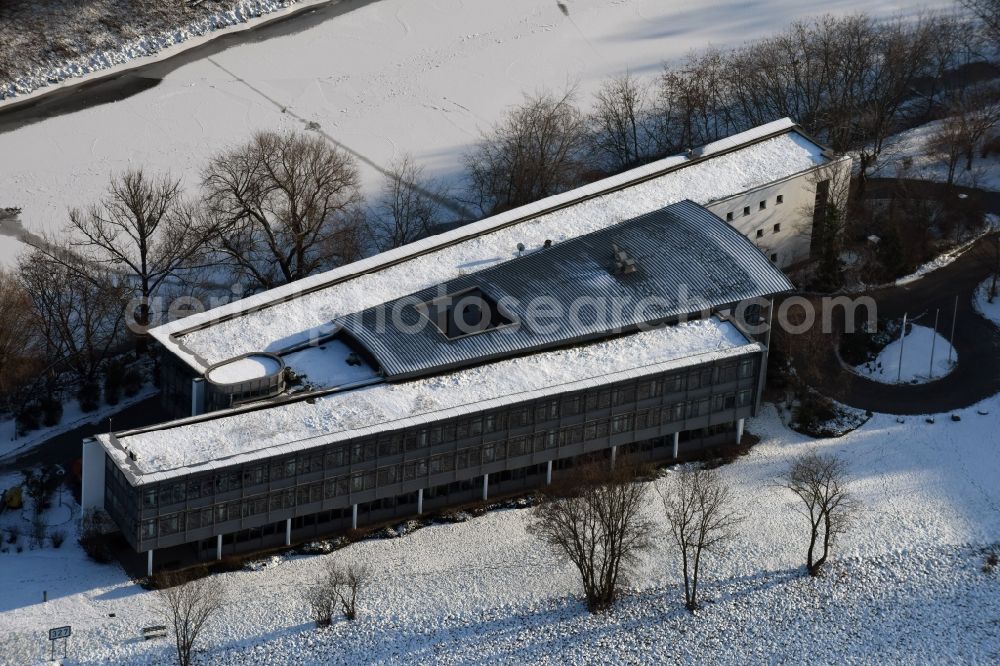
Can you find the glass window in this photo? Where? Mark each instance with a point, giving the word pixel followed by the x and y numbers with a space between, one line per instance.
pixel 149 498
pixel 149 529
pixel 572 406
pixel 746 368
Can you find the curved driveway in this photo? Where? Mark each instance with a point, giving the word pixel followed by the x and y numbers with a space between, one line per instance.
pixel 977 340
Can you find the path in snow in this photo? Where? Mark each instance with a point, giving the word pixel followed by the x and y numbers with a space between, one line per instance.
pixel 915 366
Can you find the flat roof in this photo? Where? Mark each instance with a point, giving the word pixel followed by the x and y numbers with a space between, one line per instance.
pixel 294 313
pixel 238 436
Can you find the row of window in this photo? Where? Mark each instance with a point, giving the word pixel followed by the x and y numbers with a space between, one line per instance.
pixel 761 205
pixel 394 443
pixel 444 462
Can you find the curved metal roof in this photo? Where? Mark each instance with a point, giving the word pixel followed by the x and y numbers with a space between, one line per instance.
pixel 686 260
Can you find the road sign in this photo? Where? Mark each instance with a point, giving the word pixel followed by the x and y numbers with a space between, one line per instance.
pixel 60 632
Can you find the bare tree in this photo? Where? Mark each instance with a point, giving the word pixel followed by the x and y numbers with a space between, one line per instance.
pixel 187 605
pixel 819 481
pixel 594 518
pixel 79 311
pixel 537 150
pixel 971 115
pixel 143 228
pixel 282 207
pixel 338 585
pixel 407 208
pixel 988 14
pixel 620 133
pixel 692 105
pixel 699 511
pixel 18 346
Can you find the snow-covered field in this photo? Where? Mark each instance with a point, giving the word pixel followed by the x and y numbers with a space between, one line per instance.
pixel 982 303
pixel 926 356
pixel 386 77
pixel 906 584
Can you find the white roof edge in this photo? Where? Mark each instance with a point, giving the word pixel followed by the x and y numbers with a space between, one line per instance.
pixel 143 478
pixel 164 332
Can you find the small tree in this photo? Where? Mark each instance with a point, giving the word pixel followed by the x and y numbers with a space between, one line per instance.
pixel 407 208
pixel 594 518
pixel 619 134
pixel 699 512
pixel 537 150
pixel 187 604
pixel 95 527
pixel 819 482
pixel 281 207
pixel 337 585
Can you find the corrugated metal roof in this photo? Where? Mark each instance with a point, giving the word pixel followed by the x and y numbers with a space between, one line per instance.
pixel 688 260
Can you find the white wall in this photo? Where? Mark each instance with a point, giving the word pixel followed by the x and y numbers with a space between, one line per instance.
pixel 793 216
pixel 92 490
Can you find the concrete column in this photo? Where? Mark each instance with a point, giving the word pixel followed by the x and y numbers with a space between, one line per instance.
pixel 614 454
pixel 288 532
pixel 486 486
pixel 548 473
pixel 420 501
pixel 149 562
pixel 218 547
pixel 739 430
pixel 677 444
pixel 354 516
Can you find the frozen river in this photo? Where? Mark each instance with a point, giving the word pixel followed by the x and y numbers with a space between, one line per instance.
pixel 380 78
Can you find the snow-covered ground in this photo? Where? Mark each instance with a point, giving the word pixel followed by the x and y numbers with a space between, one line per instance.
pixel 906 583
pixel 384 78
pixel 926 356
pixel 909 154
pixel 982 303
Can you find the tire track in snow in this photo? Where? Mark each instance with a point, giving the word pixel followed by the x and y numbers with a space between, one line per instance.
pixel 444 202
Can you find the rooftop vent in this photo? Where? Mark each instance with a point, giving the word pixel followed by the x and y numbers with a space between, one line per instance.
pixel 624 264
pixel 465 313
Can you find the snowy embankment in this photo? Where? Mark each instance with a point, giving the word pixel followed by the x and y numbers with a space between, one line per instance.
pixel 906 580
pixel 921 356
pixel 981 301
pixel 127 53
pixel 911 154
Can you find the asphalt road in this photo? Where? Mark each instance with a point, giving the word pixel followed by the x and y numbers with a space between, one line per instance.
pixel 977 340
pixel 65 449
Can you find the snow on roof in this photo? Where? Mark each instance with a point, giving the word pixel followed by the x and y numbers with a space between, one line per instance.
pixel 299 311
pixel 232 438
pixel 254 366
pixel 328 364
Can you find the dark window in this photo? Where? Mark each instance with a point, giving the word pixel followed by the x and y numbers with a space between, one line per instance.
pixel 762 205
pixel 746 211
pixel 774 258
pixel 572 405
pixel 780 199
pixel 520 416
pixel 621 423
pixel 777 227
pixel 465 313
pixel 746 368
pixel 149 529
pixel 760 233
pixel 729 217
